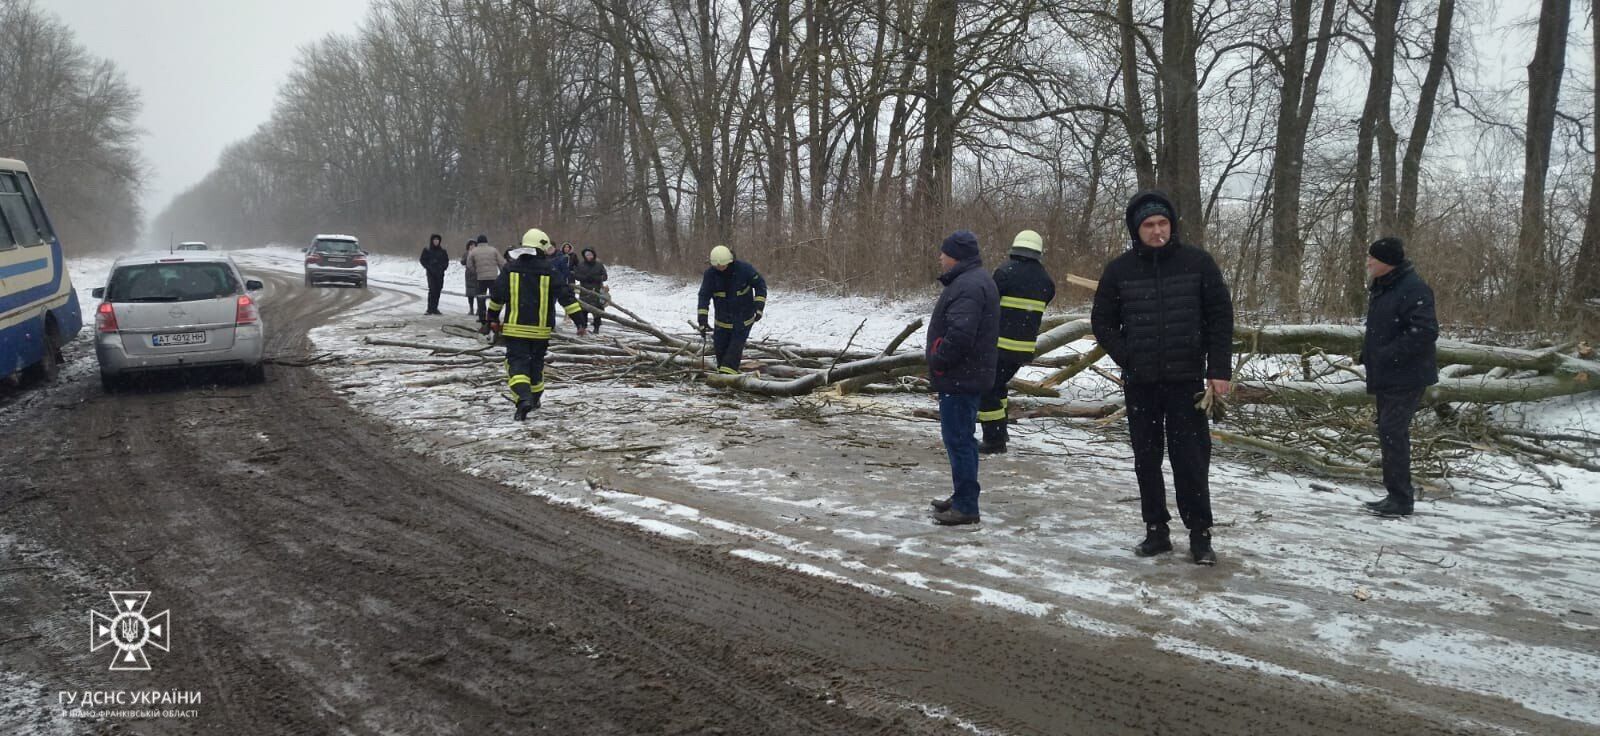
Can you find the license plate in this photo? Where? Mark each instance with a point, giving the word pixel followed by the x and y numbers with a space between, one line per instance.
pixel 179 338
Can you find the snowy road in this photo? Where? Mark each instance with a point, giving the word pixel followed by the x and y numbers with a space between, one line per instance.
pixel 368 571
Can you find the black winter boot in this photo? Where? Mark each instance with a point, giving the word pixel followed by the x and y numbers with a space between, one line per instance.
pixel 1157 539
pixel 524 407
pixel 940 504
pixel 1393 506
pixel 1200 547
pixel 994 438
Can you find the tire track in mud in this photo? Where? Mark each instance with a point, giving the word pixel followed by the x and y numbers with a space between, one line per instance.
pixel 322 581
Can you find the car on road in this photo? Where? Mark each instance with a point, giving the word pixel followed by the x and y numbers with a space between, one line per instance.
pixel 192 245
pixel 165 311
pixel 38 307
pixel 336 258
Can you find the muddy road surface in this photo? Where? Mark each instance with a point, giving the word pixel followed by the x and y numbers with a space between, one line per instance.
pixel 321 581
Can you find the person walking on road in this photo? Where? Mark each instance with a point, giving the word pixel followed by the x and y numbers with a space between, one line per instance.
pixel 1400 352
pixel 523 303
pixel 435 261
pixel 470 279
pixel 962 350
pixel 740 296
pixel 1026 289
pixel 483 265
pixel 590 274
pixel 1163 313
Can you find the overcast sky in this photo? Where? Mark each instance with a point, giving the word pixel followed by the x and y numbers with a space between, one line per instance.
pixel 207 70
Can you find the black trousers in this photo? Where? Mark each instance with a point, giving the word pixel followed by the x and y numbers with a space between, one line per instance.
pixel 1395 410
pixel 729 344
pixel 525 366
pixel 993 403
pixel 1164 414
pixel 435 286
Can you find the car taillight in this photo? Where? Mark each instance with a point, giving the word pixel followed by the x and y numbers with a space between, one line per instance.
pixel 313 258
pixel 361 260
pixel 105 318
pixel 246 313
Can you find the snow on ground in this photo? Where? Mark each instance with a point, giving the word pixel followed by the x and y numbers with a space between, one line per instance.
pixel 1489 590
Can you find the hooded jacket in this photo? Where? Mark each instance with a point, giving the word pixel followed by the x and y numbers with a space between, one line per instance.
pixel 435 260
pixel 1400 348
pixel 964 331
pixel 590 274
pixel 531 296
pixel 1026 289
pixel 1164 314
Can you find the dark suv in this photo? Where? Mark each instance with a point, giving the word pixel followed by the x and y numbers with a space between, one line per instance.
pixel 336 258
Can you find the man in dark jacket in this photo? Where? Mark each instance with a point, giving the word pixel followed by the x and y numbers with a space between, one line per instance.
pixel 740 296
pixel 1163 313
pixel 1400 353
pixel 561 266
pixel 435 261
pixel 591 275
pixel 1026 289
pixel 962 350
pixel 530 296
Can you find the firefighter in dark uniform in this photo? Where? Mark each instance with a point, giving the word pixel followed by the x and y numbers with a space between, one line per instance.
pixel 1025 290
pixel 740 296
pixel 529 292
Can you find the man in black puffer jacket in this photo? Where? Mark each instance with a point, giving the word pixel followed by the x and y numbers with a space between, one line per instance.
pixel 1163 313
pixel 962 350
pixel 1401 355
pixel 435 261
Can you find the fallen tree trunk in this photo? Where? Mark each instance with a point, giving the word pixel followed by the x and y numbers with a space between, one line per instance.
pixel 1472 389
pixel 1346 340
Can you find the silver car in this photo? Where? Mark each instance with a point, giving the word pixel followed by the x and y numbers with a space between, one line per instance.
pixel 336 258
pixel 161 312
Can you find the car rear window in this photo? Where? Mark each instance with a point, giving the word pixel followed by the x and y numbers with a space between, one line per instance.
pixel 171 282
pixel 335 246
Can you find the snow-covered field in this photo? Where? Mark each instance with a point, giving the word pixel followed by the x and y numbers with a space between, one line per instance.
pixel 1487 590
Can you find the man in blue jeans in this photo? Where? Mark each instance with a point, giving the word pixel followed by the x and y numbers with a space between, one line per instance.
pixel 963 336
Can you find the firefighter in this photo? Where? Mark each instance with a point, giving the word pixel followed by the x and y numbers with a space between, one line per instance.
pixel 1025 290
pixel 740 295
pixel 529 293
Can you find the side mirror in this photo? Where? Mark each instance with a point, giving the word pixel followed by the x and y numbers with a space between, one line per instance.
pixel 254 285
pixel 99 292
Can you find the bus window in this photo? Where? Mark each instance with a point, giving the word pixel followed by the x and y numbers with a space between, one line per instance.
pixel 35 208
pixel 6 241
pixel 15 210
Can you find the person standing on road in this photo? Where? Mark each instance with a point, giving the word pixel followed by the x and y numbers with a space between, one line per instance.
pixel 1400 351
pixel 561 265
pixel 740 296
pixel 1026 289
pixel 470 279
pixel 435 261
pixel 572 256
pixel 962 350
pixel 1163 313
pixel 590 274
pixel 483 265
pixel 529 293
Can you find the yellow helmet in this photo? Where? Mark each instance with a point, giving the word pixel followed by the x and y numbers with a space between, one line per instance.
pixel 536 239
pixel 721 256
pixel 1028 244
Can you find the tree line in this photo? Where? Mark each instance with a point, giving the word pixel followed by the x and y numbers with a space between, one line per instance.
pixel 834 142
pixel 71 117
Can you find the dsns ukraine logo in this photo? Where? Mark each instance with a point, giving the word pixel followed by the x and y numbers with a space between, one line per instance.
pixel 130 630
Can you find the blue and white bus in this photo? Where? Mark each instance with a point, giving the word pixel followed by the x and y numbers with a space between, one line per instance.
pixel 38 306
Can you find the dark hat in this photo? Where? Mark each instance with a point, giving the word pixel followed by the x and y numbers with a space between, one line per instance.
pixel 434 237
pixel 1148 204
pixel 483 238
pixel 961 245
pixel 1388 250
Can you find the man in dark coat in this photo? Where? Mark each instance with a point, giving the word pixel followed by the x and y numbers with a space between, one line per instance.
pixel 590 274
pixel 1400 353
pixel 739 294
pixel 1163 313
pixel 435 261
pixel 1026 289
pixel 962 350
